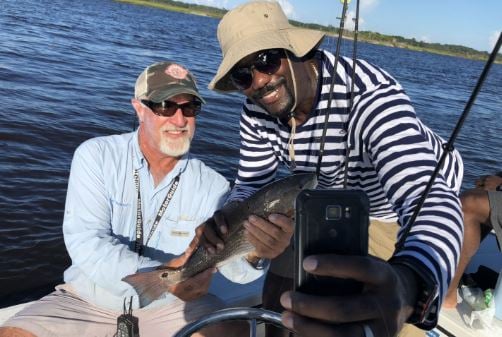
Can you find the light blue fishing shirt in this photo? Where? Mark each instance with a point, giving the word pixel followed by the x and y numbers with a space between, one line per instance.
pixel 100 218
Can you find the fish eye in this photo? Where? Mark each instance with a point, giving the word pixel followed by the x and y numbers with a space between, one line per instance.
pixel 164 275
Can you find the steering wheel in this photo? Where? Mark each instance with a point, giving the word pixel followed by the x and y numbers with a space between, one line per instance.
pixel 253 315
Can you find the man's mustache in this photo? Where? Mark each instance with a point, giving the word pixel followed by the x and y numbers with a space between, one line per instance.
pixel 268 88
pixel 172 128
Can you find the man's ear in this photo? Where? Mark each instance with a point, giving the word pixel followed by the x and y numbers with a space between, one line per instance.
pixel 138 107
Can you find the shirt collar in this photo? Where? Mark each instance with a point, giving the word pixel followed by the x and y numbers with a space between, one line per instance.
pixel 138 158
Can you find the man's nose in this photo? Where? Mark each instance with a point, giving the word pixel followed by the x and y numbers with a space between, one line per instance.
pixel 178 118
pixel 259 79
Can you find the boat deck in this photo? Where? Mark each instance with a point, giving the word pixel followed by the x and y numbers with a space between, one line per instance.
pixel 451 322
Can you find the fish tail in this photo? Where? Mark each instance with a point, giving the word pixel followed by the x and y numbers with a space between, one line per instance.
pixel 148 285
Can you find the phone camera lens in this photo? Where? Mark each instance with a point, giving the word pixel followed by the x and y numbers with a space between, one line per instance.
pixel 333 212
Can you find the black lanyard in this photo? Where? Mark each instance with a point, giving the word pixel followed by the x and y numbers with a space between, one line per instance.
pixel 138 246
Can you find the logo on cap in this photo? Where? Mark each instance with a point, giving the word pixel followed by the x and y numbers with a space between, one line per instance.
pixel 176 71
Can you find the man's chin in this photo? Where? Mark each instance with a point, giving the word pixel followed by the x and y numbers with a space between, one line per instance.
pixel 175 153
pixel 175 150
pixel 277 111
pixel 280 108
pixel 279 114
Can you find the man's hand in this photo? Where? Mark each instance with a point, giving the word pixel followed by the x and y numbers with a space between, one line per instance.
pixel 197 285
pixel 179 261
pixel 212 234
pixel 384 305
pixel 489 183
pixel 194 287
pixel 269 237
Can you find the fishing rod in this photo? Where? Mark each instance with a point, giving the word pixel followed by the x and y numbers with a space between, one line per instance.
pixel 351 102
pixel 448 147
pixel 332 85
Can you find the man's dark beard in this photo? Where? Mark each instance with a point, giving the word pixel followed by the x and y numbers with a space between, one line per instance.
pixel 284 112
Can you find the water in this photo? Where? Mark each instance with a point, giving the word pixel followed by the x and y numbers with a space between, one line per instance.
pixel 67 71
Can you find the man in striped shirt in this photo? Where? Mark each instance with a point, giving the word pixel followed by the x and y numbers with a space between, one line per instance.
pixel 376 140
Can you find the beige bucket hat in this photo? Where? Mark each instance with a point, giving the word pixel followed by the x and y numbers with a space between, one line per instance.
pixel 256 26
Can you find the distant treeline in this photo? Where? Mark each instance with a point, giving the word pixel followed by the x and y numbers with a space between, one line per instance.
pixel 370 37
pixel 181 7
pixel 401 42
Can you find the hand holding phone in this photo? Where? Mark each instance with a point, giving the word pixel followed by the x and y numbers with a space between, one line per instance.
pixel 329 222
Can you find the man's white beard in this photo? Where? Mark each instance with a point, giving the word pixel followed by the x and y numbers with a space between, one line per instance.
pixel 176 147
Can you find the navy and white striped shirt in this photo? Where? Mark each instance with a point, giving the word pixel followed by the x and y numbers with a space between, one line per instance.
pixel 391 157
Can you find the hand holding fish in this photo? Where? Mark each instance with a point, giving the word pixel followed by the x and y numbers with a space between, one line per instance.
pixel 193 287
pixel 180 261
pixel 380 310
pixel 212 234
pixel 270 238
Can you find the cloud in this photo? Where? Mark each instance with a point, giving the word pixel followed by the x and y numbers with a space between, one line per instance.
pixel 493 39
pixel 425 39
pixel 349 20
pixel 287 7
pixel 367 5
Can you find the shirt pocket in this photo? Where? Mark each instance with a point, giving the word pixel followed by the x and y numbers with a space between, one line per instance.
pixel 176 235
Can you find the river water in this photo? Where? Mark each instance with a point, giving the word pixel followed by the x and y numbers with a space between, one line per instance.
pixel 67 71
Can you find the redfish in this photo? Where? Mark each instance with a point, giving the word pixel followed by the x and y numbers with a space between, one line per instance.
pixel 276 197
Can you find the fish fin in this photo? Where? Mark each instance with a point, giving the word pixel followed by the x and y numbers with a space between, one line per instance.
pixel 148 285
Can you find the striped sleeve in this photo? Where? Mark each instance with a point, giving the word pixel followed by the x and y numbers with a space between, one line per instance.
pixel 404 158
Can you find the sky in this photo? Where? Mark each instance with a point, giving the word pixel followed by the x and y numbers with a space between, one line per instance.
pixel 471 23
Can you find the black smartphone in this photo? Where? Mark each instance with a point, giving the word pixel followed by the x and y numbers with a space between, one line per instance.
pixel 329 222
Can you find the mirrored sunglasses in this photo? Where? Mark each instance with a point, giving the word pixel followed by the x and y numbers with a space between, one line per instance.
pixel 168 108
pixel 266 62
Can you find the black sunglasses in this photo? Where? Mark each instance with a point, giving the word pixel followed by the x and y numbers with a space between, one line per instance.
pixel 169 108
pixel 267 62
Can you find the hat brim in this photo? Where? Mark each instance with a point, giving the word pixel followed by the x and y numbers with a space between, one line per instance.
pixel 299 41
pixel 161 95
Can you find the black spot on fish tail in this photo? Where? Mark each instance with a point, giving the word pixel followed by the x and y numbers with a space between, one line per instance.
pixel 149 285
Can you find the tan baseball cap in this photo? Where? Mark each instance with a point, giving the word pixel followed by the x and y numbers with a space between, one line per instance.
pixel 163 80
pixel 256 26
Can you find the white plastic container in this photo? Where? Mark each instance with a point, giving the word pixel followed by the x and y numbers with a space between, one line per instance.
pixel 498 297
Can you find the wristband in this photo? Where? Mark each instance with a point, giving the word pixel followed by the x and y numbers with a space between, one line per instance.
pixel 426 294
pixel 257 263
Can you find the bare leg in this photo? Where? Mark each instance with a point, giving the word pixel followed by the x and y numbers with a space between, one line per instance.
pixel 476 210
pixel 14 332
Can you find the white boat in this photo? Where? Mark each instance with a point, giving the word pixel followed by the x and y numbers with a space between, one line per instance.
pixel 452 322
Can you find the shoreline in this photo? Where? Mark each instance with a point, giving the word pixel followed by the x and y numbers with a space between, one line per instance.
pixel 390 41
pixel 190 9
